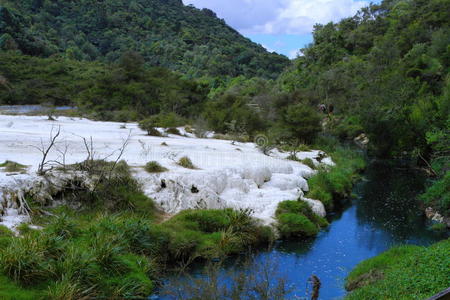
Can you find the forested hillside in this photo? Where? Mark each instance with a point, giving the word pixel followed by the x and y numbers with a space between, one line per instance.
pixel 165 32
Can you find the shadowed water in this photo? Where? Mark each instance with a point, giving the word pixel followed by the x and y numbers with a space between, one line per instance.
pixel 383 213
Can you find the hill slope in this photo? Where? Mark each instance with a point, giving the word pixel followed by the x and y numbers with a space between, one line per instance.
pixel 167 33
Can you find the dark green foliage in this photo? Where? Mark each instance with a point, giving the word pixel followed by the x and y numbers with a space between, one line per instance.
pixel 406 272
pixel 154 167
pixel 231 113
pixel 300 123
pixel 166 33
pixel 385 70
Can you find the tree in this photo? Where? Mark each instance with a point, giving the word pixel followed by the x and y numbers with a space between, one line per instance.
pixel 300 122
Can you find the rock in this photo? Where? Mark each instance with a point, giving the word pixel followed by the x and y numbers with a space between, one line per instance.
pixel 362 140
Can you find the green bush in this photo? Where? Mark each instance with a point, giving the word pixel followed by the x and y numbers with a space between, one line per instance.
pixel 288 225
pixel 154 167
pixel 173 130
pixel 149 125
pixel 186 162
pixel 295 225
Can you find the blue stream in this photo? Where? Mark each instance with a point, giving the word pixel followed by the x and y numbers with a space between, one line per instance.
pixel 383 213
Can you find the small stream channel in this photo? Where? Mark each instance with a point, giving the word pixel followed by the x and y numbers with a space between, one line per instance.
pixel 383 213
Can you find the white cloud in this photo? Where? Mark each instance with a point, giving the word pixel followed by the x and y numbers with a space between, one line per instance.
pixel 279 16
pixel 293 54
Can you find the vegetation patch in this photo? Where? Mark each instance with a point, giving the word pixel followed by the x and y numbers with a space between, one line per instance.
pixel 154 167
pixel 331 184
pixel 11 166
pixel 296 219
pixel 173 130
pixel 405 272
pixel 186 162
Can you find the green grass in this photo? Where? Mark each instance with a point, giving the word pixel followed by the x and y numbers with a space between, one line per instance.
pixel 116 255
pixel 296 219
pixel 154 167
pixel 437 195
pixel 11 166
pixel 405 272
pixel 330 185
pixel 186 162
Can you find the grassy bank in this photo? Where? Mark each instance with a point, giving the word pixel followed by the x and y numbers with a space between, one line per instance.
pixel 405 272
pixel 115 247
pixel 332 184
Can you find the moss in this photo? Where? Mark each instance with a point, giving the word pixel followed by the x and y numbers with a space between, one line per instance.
pixel 154 167
pixel 406 272
pixel 186 162
pixel 11 166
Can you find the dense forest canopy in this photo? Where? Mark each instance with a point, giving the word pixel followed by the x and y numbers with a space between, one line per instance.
pixel 165 32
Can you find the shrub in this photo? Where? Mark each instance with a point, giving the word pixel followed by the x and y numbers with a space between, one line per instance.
pixel 295 225
pixel 149 125
pixel 173 130
pixel 154 167
pixel 186 162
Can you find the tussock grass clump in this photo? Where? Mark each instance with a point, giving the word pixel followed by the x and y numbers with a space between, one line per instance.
pixel 154 167
pixel 214 233
pixel 186 162
pixel 11 166
pixel 296 219
pixel 308 162
pixel 295 225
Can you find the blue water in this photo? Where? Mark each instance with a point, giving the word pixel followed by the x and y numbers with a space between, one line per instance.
pixel 383 213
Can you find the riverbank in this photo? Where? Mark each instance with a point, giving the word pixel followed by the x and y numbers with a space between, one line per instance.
pixel 404 272
pixel 383 212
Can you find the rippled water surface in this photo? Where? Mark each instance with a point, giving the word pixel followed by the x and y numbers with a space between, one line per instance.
pixel 383 213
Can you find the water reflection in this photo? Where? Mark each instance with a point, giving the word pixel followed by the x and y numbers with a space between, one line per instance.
pixel 383 213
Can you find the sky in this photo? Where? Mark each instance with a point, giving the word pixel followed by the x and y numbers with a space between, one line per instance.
pixel 283 26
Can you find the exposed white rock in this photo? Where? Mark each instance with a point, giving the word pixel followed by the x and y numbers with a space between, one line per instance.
pixel 229 175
